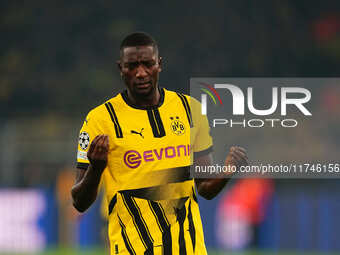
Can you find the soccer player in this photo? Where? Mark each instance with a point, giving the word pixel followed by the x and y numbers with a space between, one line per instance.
pixel 141 143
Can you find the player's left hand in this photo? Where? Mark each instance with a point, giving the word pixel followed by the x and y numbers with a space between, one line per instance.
pixel 237 156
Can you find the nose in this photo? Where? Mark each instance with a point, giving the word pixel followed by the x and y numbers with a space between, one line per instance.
pixel 141 72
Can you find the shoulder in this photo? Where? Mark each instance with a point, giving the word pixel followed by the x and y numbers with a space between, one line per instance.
pixel 102 111
pixel 183 97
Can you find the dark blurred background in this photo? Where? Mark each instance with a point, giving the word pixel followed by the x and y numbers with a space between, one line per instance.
pixel 58 60
pixel 48 48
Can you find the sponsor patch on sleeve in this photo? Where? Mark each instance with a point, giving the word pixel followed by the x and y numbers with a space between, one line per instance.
pixel 82 155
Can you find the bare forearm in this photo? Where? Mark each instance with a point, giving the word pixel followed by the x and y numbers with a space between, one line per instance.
pixel 84 192
pixel 209 188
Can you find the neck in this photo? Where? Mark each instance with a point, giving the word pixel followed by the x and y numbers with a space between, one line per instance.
pixel 145 101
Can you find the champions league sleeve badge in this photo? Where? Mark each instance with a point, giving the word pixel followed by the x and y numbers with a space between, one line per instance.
pixel 84 140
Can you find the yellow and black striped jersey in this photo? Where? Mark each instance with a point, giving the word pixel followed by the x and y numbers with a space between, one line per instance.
pixel 151 198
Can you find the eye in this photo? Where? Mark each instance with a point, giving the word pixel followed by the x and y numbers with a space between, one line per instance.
pixel 149 63
pixel 131 65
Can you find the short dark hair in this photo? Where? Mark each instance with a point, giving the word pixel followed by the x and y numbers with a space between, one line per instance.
pixel 138 39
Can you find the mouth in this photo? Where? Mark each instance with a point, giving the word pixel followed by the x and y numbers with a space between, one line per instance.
pixel 143 85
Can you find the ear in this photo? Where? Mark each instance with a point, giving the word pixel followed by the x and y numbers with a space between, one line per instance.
pixel 160 61
pixel 119 65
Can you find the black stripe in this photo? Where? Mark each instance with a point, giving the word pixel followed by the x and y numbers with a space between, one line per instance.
pixel 153 123
pixel 181 213
pixel 109 107
pixel 159 122
pixel 112 118
pixel 126 238
pixel 187 108
pixel 159 192
pixel 192 229
pixel 116 119
pixel 194 195
pixel 139 223
pixel 112 203
pixel 164 226
pixel 83 166
pixel 156 123
pixel 150 193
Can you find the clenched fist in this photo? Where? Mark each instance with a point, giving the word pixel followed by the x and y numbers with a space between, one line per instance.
pixel 97 153
pixel 236 157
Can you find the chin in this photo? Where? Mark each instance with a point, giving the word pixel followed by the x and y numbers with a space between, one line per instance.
pixel 144 92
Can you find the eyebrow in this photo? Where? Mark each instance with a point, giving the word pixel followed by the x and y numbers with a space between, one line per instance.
pixel 143 58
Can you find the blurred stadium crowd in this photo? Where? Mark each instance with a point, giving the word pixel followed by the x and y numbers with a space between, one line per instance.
pixel 57 61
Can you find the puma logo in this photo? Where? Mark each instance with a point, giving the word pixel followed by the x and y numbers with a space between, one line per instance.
pixel 138 133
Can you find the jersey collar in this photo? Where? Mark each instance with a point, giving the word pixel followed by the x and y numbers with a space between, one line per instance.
pixel 126 100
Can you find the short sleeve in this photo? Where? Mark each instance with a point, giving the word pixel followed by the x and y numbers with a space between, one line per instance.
pixel 86 134
pixel 202 141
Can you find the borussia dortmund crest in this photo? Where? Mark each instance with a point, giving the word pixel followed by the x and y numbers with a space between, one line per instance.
pixel 177 126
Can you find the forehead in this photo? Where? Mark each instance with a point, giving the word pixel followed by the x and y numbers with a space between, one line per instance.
pixel 138 52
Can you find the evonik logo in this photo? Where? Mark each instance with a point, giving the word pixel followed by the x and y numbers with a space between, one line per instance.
pixel 133 158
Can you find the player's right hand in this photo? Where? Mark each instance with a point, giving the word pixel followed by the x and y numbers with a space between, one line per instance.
pixel 98 151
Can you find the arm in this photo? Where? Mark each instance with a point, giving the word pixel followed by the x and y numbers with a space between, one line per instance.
pixel 209 188
pixel 84 191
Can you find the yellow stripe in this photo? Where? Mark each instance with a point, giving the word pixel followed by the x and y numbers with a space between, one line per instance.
pixel 127 238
